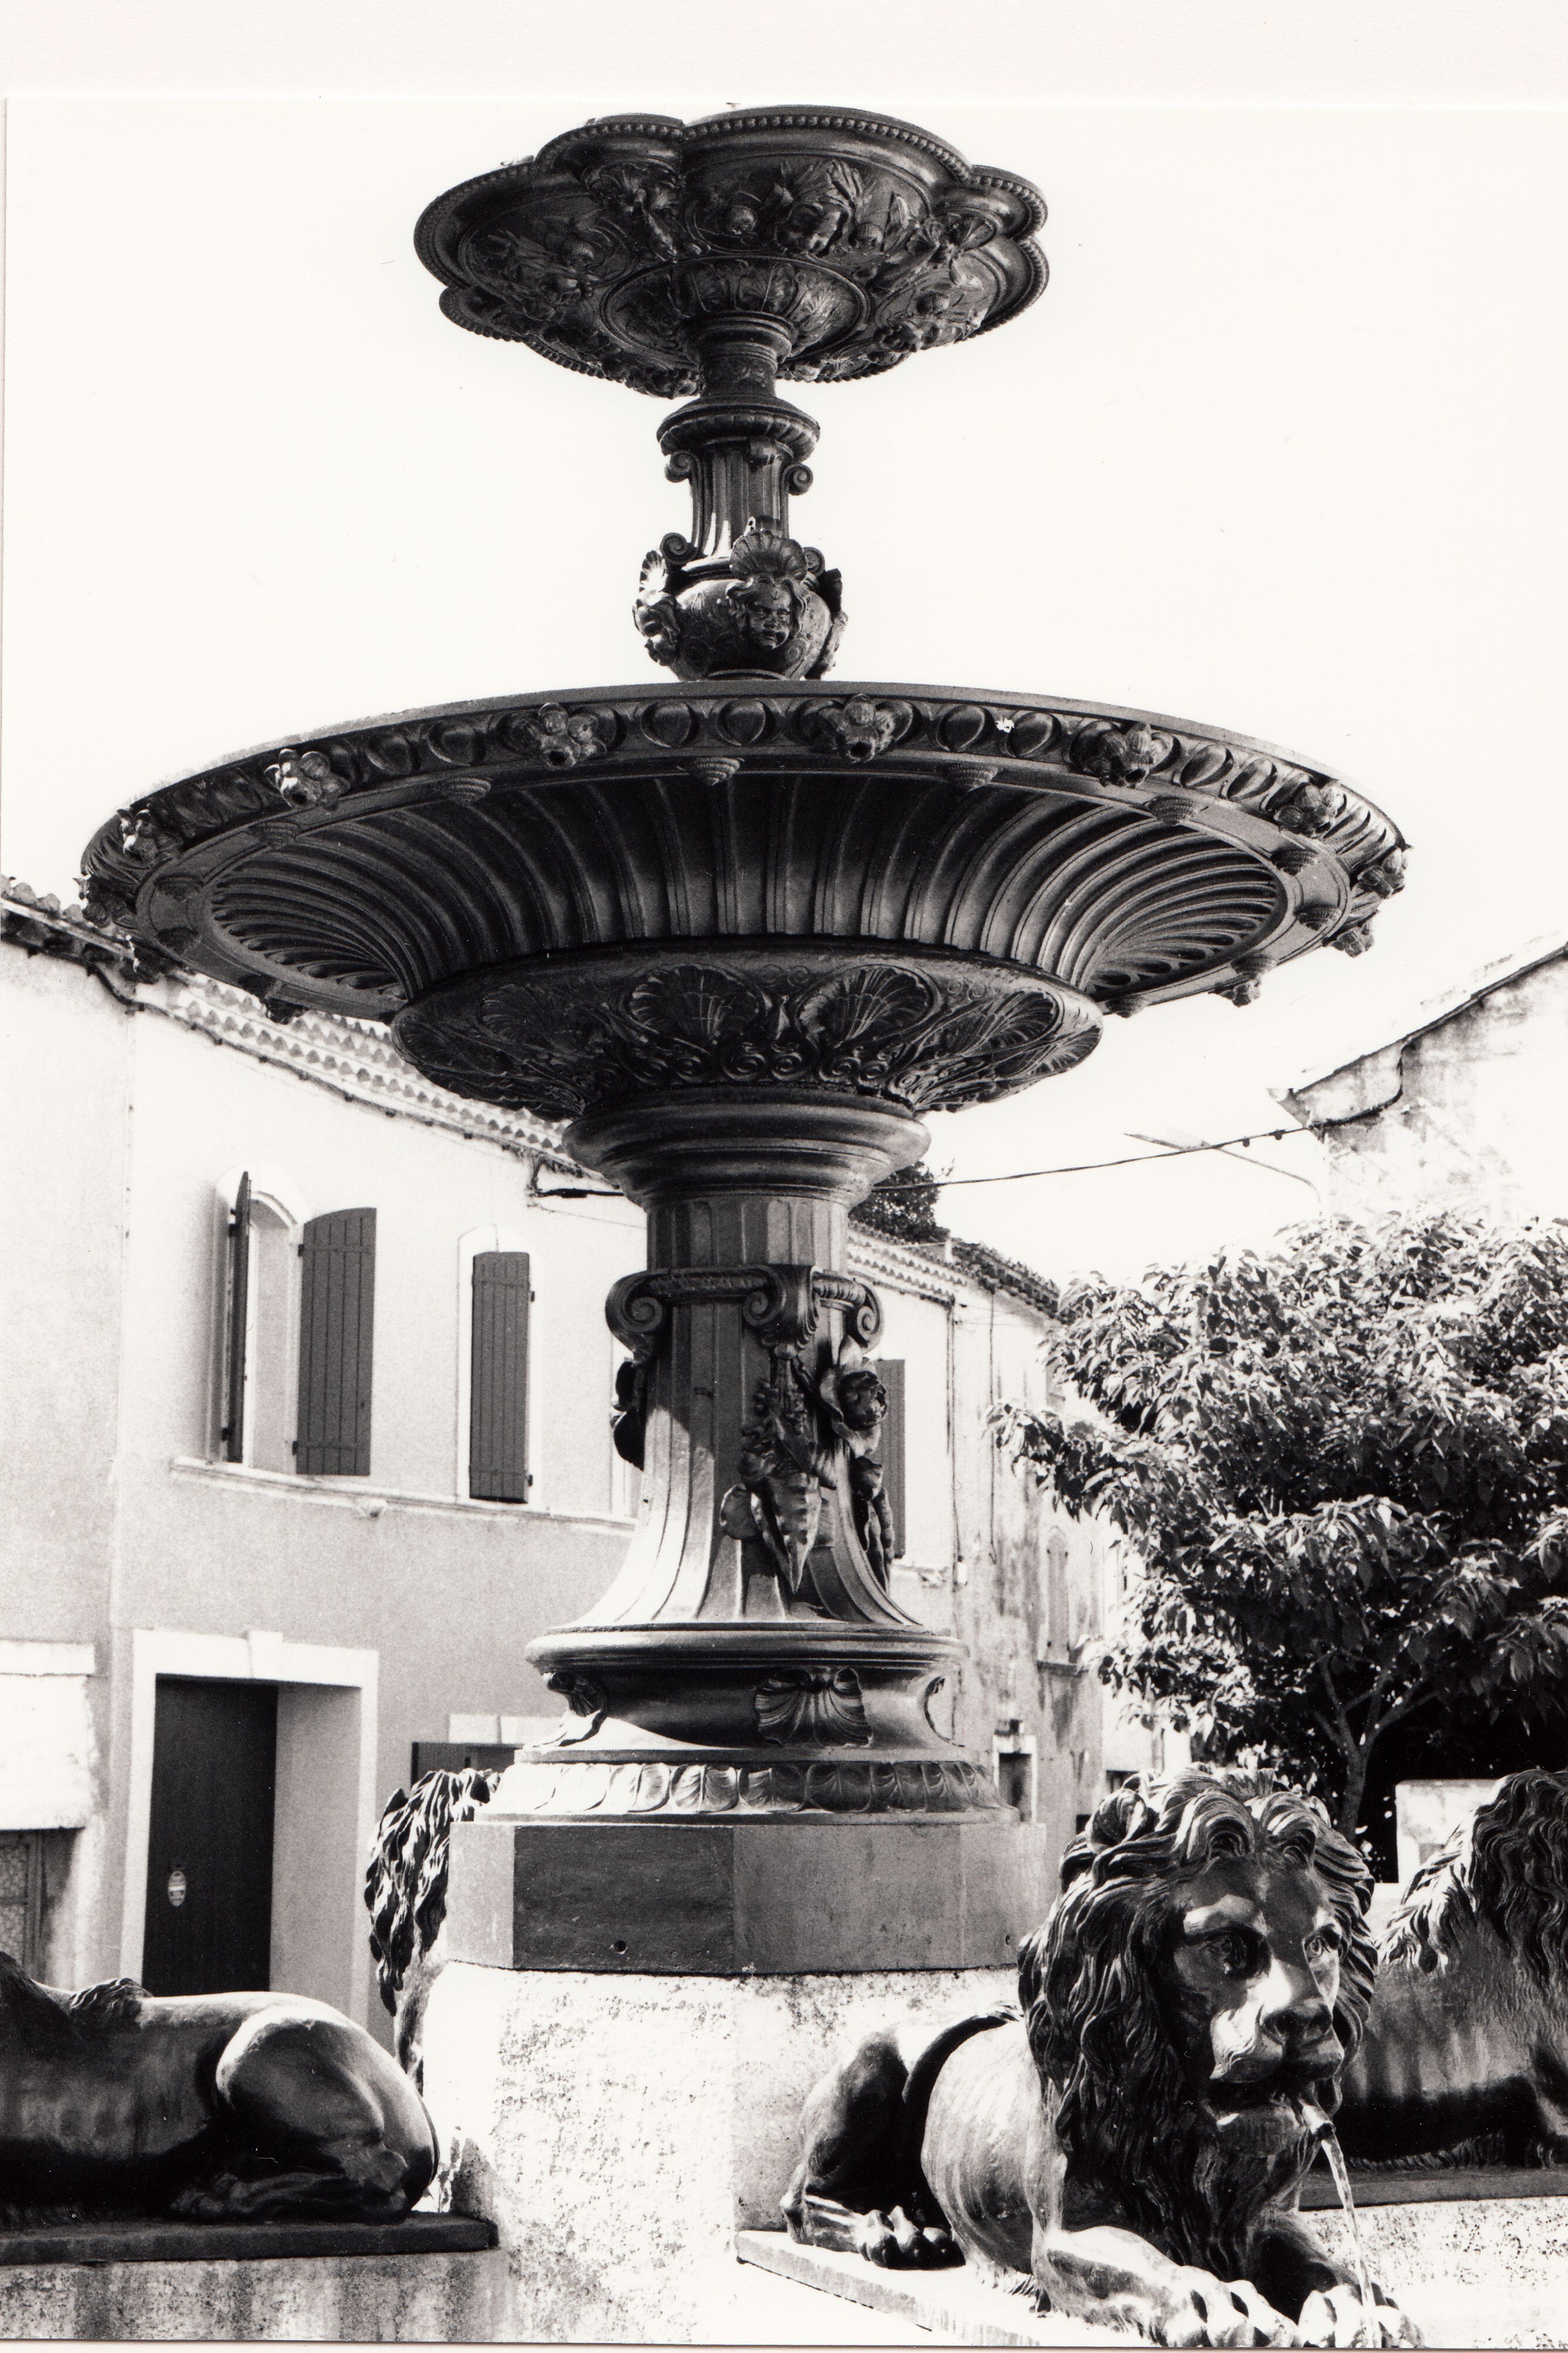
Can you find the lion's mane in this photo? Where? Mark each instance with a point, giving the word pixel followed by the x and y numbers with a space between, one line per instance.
pixel 1090 1981
pixel 1505 1869
pixel 405 1885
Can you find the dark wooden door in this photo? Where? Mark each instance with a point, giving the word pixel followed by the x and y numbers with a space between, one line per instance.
pixel 209 1844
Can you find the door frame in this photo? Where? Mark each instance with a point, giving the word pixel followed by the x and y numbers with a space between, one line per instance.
pixel 322 1812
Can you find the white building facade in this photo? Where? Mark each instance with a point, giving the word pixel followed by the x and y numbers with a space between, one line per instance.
pixel 308 1399
pixel 1463 1110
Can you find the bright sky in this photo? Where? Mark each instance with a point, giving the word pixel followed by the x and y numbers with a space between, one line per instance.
pixel 1279 449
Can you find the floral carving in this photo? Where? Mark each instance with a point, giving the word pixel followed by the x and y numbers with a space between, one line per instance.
pixel 145 841
pixel 1353 939
pixel 306 780
pixel 1310 808
pixel 818 1704
pixel 773 607
pixel 561 737
pixel 928 1785
pixel 1386 876
pixel 787 1467
pixel 923 1037
pixel 1118 755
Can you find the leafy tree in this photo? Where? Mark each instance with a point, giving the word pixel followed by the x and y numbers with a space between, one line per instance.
pixel 1344 1470
pixel 903 1205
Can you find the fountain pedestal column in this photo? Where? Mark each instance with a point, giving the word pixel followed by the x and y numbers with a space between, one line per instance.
pixel 748 1776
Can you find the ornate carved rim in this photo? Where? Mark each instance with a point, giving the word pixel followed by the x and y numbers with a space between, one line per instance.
pixel 835 1786
pixel 906 244
pixel 1330 856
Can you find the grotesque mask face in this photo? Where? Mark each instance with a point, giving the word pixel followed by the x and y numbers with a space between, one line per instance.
pixel 1254 1968
pixel 769 612
pixel 862 1399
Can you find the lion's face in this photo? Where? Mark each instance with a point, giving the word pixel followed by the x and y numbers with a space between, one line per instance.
pixel 1252 1956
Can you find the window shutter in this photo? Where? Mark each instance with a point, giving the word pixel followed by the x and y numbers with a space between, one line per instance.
pixel 890 1373
pixel 233 1431
pixel 498 1385
pixel 1058 1595
pixel 337 1304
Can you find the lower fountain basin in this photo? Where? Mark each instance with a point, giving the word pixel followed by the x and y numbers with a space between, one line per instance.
pixel 1094 858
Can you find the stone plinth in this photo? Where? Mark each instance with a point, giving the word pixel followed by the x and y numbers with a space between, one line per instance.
pixel 1479 2271
pixel 1482 2269
pixel 733 1896
pixel 292 2282
pixel 953 2306
pixel 619 2130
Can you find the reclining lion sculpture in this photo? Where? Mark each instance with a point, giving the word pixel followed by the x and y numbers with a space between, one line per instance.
pixel 1467 2045
pixel 219 2107
pixel 1135 2142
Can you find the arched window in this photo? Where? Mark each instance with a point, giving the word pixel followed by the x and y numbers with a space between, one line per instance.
pixel 263 1220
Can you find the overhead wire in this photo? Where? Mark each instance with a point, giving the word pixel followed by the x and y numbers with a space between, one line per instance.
pixel 1087 1168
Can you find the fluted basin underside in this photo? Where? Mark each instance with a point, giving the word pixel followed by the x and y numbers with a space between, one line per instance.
pixel 1110 858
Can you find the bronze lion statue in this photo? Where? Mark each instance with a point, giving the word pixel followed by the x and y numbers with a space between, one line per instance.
pixel 1135 2142
pixel 1467 2048
pixel 219 2107
pixel 405 1895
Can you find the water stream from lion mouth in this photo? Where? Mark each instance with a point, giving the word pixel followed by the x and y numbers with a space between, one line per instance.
pixel 1323 2133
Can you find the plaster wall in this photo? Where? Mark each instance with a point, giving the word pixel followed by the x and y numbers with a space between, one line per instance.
pixel 1467 1115
pixel 62 1211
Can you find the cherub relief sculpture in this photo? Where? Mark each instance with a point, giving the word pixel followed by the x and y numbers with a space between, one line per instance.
pixel 1132 2144
pixel 857 1407
pixel 216 2108
pixel 769 607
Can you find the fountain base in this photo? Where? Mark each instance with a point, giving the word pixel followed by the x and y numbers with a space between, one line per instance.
pixel 619 2135
pixel 729 1896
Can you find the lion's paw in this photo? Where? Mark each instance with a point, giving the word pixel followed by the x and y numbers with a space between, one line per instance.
pixel 897 2244
pixel 1336 2315
pixel 207 2202
pixel 1203 2310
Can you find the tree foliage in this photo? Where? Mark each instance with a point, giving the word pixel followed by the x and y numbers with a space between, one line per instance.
pixel 1343 1468
pixel 903 1205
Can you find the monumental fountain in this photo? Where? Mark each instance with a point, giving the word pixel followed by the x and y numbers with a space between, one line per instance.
pixel 739 928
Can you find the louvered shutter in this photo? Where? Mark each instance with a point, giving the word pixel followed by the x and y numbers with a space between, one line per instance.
pixel 1058 1595
pixel 890 1373
pixel 337 1319
pixel 498 1385
pixel 238 1318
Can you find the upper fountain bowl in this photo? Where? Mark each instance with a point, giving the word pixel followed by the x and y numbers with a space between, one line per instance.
pixel 847 240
